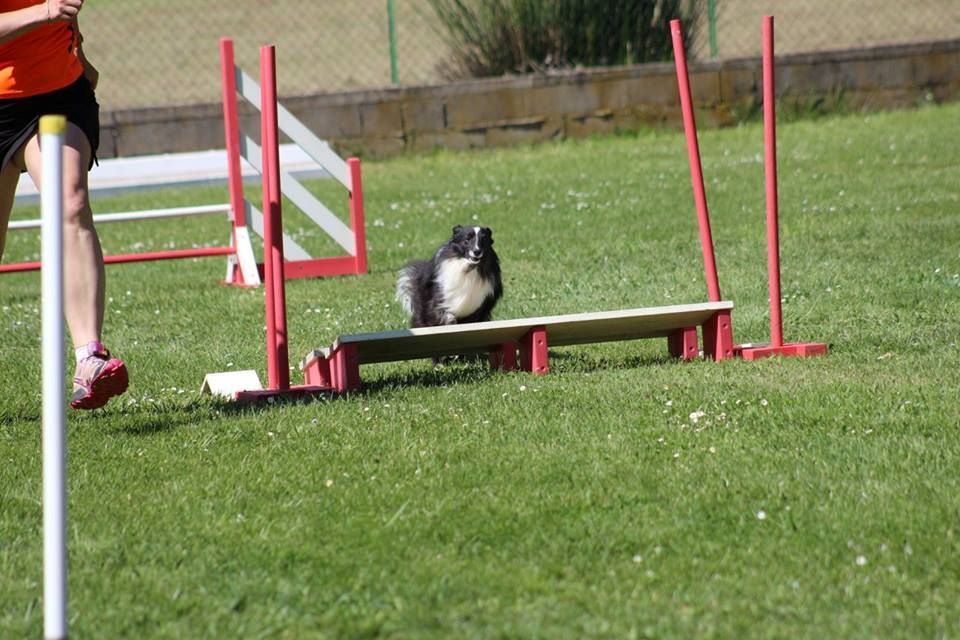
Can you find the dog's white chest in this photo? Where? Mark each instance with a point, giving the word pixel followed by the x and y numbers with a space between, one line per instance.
pixel 463 290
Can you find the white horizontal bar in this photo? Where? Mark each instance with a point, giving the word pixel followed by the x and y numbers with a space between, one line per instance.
pixel 303 199
pixel 138 173
pixel 313 146
pixel 318 212
pixel 291 250
pixel 149 214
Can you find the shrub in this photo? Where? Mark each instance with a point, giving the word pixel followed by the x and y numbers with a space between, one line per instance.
pixel 494 37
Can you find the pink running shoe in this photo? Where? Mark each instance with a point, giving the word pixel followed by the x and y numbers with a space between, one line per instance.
pixel 97 378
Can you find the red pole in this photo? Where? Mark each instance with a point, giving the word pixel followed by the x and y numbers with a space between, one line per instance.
pixel 169 254
pixel 696 173
pixel 356 216
pixel 231 134
pixel 770 175
pixel 231 129
pixel 278 370
pixel 776 346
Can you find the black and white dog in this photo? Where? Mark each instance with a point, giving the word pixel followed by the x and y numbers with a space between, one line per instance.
pixel 460 284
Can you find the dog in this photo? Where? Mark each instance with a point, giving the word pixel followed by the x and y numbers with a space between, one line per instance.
pixel 461 283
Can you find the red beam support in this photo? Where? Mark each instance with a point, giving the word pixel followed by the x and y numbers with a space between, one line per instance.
pixel 503 357
pixel 317 373
pixel 718 337
pixel 683 343
pixel 533 351
pixel 345 368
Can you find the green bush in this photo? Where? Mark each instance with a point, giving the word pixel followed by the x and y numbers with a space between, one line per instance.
pixel 495 37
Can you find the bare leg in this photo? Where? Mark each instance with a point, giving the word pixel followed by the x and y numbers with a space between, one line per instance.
pixel 84 276
pixel 9 176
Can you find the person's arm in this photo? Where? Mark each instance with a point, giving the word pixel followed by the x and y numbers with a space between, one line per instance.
pixel 15 23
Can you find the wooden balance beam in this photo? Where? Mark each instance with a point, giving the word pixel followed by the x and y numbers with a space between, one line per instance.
pixel 338 367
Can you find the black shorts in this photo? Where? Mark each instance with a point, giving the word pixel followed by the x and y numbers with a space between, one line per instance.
pixel 19 117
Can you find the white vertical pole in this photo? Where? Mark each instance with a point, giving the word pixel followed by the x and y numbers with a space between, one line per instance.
pixel 52 132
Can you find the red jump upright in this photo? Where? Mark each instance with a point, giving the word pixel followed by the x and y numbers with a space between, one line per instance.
pixel 299 264
pixel 776 346
pixel 278 365
pixel 718 334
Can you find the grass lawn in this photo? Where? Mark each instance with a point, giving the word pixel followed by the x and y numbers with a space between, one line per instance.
pixel 623 495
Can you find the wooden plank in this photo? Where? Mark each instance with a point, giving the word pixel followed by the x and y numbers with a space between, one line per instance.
pixel 562 330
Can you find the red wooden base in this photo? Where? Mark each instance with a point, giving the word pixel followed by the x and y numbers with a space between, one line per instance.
pixel 345 368
pixel 504 357
pixel 533 351
pixel 799 349
pixel 683 343
pixel 718 337
pixel 317 373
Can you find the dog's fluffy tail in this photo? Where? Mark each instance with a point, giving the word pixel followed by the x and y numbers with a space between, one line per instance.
pixel 406 288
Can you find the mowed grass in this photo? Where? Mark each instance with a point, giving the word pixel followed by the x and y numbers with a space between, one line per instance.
pixel 622 495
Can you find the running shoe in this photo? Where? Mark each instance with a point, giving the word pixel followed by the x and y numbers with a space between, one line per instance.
pixel 97 378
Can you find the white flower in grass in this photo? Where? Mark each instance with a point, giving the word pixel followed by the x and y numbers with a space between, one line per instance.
pixel 763 402
pixel 861 561
pixel 761 515
pixel 696 415
pixel 329 482
pixel 638 558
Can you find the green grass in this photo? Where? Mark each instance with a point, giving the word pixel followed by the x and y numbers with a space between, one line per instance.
pixel 804 498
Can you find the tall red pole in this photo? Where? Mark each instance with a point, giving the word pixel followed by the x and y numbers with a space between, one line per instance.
pixel 274 287
pixel 770 174
pixel 231 130
pixel 696 172
pixel 278 370
pixel 356 216
pixel 776 346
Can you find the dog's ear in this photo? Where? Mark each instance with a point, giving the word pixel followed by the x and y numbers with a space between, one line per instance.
pixel 456 229
pixel 488 232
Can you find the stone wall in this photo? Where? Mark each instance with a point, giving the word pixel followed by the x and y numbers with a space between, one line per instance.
pixel 534 108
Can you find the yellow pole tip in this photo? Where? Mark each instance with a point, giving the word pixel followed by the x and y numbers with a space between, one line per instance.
pixel 53 124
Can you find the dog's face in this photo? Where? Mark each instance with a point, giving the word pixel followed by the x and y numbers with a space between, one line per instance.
pixel 472 242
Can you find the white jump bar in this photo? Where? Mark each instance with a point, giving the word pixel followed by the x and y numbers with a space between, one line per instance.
pixel 150 214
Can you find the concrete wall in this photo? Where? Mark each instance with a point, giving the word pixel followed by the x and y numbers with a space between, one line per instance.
pixel 533 108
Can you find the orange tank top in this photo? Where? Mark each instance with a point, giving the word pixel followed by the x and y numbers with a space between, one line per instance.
pixel 40 60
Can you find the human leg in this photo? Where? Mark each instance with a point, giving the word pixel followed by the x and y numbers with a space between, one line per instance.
pixel 98 377
pixel 84 276
pixel 9 176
